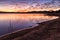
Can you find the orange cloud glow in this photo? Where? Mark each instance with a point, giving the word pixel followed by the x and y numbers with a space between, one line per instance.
pixel 25 8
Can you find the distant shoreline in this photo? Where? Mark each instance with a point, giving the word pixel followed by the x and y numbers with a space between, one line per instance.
pixel 33 12
pixel 47 13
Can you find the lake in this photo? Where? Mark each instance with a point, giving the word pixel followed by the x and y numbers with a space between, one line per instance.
pixel 13 22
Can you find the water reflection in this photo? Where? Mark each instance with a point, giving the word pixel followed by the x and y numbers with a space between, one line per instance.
pixel 12 22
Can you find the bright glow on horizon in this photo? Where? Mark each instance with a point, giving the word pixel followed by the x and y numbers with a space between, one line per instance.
pixel 27 5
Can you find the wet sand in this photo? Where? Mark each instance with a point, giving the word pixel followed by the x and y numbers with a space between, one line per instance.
pixel 49 30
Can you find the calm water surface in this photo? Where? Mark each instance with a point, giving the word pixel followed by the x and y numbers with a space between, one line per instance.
pixel 13 22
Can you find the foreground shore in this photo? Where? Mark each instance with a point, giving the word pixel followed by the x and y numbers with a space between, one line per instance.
pixel 49 30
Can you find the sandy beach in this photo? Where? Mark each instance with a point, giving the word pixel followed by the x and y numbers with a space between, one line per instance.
pixel 49 30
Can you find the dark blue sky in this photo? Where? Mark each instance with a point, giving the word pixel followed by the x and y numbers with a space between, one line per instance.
pixel 28 1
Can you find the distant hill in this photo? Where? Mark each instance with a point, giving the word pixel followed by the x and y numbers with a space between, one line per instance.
pixel 52 13
pixel 56 13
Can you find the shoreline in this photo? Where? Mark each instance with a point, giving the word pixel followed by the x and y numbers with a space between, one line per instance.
pixel 21 32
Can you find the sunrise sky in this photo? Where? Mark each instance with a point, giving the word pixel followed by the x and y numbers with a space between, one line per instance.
pixel 29 5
